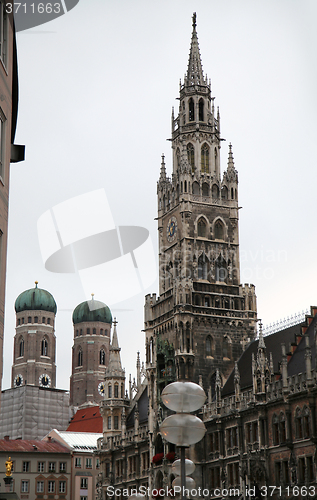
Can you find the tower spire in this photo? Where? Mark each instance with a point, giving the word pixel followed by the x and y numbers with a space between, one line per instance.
pixel 195 70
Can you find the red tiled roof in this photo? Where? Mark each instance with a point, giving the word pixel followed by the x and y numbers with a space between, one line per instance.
pixel 86 420
pixel 32 445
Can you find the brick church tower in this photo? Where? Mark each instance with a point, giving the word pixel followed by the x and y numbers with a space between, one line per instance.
pixel 203 314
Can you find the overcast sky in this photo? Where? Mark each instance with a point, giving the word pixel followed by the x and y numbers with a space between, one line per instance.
pixel 96 91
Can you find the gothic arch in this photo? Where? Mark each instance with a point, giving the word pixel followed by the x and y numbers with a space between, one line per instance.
pixel 196 188
pixel 201 109
pixel 80 357
pixel 224 192
pixel 191 156
pixel 203 266
pixel 21 347
pixel 219 229
pixel 44 347
pixel 205 189
pixel 202 226
pixel 209 345
pixel 204 159
pixel 221 271
pixel 102 356
pixel 226 347
pixel 215 191
pixel 191 110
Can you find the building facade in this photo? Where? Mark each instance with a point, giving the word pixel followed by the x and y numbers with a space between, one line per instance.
pixel 9 152
pixel 40 469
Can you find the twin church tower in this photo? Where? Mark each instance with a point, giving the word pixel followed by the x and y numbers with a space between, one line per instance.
pixel 203 317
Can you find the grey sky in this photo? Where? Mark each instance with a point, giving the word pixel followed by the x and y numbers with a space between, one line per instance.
pixel 96 91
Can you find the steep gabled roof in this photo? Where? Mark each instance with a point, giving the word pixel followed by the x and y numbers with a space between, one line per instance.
pixel 143 403
pixel 86 420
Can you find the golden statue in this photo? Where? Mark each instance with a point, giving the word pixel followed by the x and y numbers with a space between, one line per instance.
pixel 8 465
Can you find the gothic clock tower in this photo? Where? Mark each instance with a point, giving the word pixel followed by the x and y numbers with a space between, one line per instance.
pixel 203 311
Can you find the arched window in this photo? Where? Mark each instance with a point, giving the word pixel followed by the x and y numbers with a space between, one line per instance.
pixel 191 156
pixel 215 192
pixel 221 269
pixel 102 357
pixel 88 331
pixel 80 358
pixel 232 193
pixel 201 228
pixel 275 426
pixel 204 159
pixel 116 390
pixel 94 331
pixel 219 231
pixel 282 428
pixel 207 302
pixel 202 267
pixel 195 188
pixel 225 347
pixel 205 189
pixel 191 110
pixel 101 331
pixel 122 391
pixel 44 348
pixel 109 391
pixel 48 321
pixel 43 320
pixel 185 186
pixel 29 319
pixel 305 420
pixel 21 348
pixel 224 193
pixel 36 319
pixel 209 346
pixel 298 424
pixel 201 110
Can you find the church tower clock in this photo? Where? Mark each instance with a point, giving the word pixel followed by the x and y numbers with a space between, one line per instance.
pixel 202 310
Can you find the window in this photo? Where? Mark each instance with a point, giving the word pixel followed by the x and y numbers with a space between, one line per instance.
pixel 94 331
pixel 77 462
pixel 62 467
pixel 48 321
pixel 19 322
pixel 80 358
pixel 41 467
pixel 122 391
pixel 310 469
pixel 202 267
pixel 51 467
pixel 191 156
pixel 40 487
pixel 102 360
pixel 233 474
pixel 88 331
pixel 84 483
pixel 116 422
pixel 191 109
pixel 201 228
pixel 116 390
pixel 109 391
pixel 88 463
pixel 208 346
pixel 219 233
pixel 215 477
pixel 276 435
pixel 43 320
pixel 29 319
pixel 232 438
pixel 109 423
pixel 22 321
pixel 301 470
pixel 214 442
pixel 26 466
pixel 251 432
pixel 51 486
pixel 3 33
pixel 201 110
pixel 97 463
pixel 44 348
pixel 83 498
pixel 36 319
pixel 204 164
pixel 62 487
pixel 24 486
pixel 21 350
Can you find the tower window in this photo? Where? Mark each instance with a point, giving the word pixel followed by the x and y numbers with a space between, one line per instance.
pixel 202 267
pixel 43 320
pixel 109 391
pixel 48 321
pixel 80 358
pixel 21 350
pixel 224 193
pixel 195 188
pixel 94 331
pixel 219 231
pixel 122 391
pixel 204 159
pixel 102 357
pixel 36 319
pixel 191 156
pixel 191 110
pixel 205 189
pixel 22 321
pixel 201 110
pixel 29 319
pixel 116 391
pixel 19 321
pixel 101 331
pixel 88 331
pixel 225 348
pixel 201 226
pixel 178 158
pixel 116 422
pixel 209 346
pixel 109 422
pixel 44 348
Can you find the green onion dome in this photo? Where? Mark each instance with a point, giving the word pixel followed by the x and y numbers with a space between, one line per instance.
pixel 92 310
pixel 35 299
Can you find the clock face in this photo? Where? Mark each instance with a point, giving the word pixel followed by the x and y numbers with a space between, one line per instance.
pixel 18 380
pixel 171 229
pixel 101 388
pixel 45 380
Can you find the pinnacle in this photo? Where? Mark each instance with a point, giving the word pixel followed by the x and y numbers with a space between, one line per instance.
pixel 230 157
pixel 195 71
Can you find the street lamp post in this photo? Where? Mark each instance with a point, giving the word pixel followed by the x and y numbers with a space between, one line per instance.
pixel 182 428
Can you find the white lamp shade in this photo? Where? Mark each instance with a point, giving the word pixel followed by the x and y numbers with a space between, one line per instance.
pixel 183 429
pixel 189 483
pixel 189 467
pixel 183 397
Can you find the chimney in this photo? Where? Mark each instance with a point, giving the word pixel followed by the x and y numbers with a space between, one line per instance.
pixel 7 438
